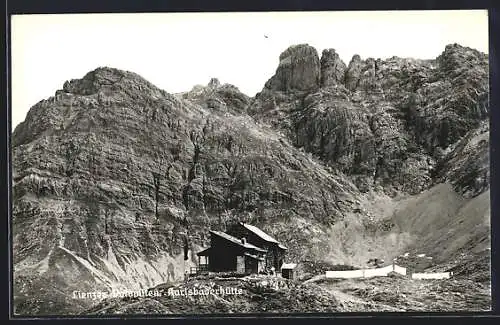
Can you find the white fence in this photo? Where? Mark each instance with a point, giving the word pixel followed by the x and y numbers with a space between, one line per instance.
pixel 384 271
pixel 366 273
pixel 443 275
pixel 345 274
pixel 400 270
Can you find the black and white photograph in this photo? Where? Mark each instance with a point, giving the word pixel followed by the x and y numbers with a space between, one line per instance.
pixel 250 163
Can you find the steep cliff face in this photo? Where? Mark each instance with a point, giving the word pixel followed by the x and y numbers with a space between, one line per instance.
pixel 89 187
pixel 382 122
pixel 332 68
pixel 415 130
pixel 298 70
pixel 111 175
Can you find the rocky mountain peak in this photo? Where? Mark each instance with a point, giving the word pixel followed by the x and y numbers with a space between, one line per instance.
pixel 214 83
pixel 93 81
pixel 299 69
pixel 394 113
pixel 109 85
pixel 355 58
pixel 454 47
pixel 455 55
pixel 332 68
pixel 217 97
pixel 353 72
pixel 298 51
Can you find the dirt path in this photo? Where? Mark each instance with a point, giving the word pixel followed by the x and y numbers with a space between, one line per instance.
pixel 354 303
pixel 345 297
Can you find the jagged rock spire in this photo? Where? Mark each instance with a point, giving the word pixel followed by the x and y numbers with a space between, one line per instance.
pixel 332 68
pixel 299 69
pixel 214 83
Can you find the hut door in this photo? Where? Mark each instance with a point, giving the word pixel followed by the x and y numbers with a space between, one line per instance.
pixel 240 264
pixel 260 266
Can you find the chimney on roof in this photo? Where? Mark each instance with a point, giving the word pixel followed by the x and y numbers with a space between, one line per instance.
pixel 243 240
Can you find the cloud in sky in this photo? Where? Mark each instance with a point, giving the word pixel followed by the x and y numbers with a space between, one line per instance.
pixel 175 51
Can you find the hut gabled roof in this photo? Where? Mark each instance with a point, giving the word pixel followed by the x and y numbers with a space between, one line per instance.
pixel 288 266
pixel 262 234
pixel 205 252
pixel 236 240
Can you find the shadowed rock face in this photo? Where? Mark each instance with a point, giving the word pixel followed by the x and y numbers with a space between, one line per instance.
pixel 467 165
pixel 299 69
pixel 353 73
pixel 111 174
pixel 332 68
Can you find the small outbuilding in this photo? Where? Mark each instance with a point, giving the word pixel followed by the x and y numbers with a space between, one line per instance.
pixel 288 271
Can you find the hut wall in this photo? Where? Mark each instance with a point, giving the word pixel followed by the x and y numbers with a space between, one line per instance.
pixel 223 256
pixel 274 256
pixel 241 264
pixel 251 265
pixel 287 274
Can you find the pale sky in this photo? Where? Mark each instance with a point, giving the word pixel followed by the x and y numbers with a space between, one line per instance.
pixel 176 51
